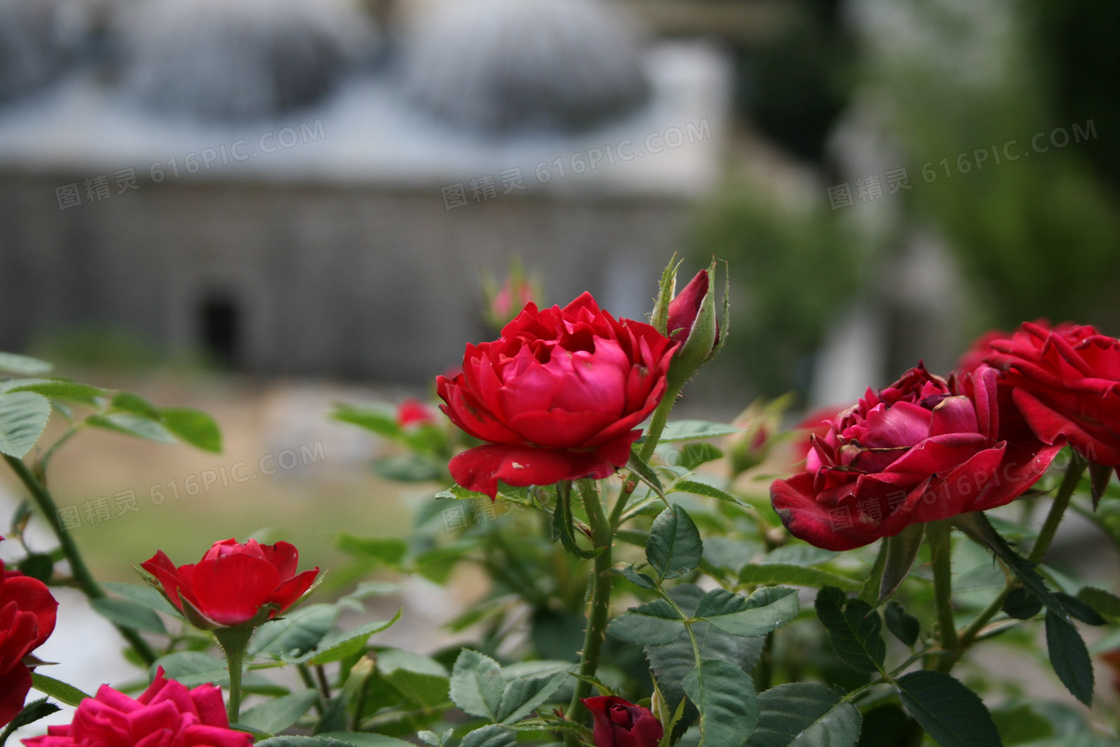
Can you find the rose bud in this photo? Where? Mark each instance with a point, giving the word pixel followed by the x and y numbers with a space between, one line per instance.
pixel 413 413
pixel 921 450
pixel 1066 382
pixel 27 618
pixel 167 713
pixel 619 723
pixel 557 397
pixel 690 319
pixel 233 584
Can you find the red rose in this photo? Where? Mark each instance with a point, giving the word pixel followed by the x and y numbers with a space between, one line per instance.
pixel 167 714
pixel 921 450
pixel 684 309
pixel 982 347
pixel 557 396
pixel 1066 382
pixel 27 616
pixel 413 413
pixel 619 723
pixel 233 582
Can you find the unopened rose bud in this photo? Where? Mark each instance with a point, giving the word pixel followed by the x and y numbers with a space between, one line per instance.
pixel 690 319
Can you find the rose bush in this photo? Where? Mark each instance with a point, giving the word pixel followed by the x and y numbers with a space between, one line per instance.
pixel 166 714
pixel 557 397
pixel 1066 382
pixel 232 583
pixel 619 723
pixel 27 618
pixel 921 450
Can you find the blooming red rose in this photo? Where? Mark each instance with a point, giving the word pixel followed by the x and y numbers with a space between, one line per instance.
pixel 167 714
pixel 27 617
pixel 921 450
pixel 982 347
pixel 619 723
pixel 1066 382
pixel 557 397
pixel 233 582
pixel 413 413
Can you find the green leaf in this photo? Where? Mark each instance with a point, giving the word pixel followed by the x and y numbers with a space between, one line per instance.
pixel 319 741
pixel 646 473
pixel 387 550
pixel 145 596
pixel 951 713
pixel 767 610
pixel 409 468
pixel 193 427
pixel 427 691
pixel 31 713
pixel 702 488
pixel 674 546
pixel 726 698
pixel 278 714
pixel 132 424
pixel 798 554
pixel 562 521
pixel 1020 724
pixel 1102 601
pixel 1080 610
pixel 524 694
pixel 651 624
pixel 350 642
pixel 192 668
pixel 23 365
pixel 1099 477
pixel 23 416
pixel 694 430
pixel 380 419
pixel 60 691
pixel 901 624
pixel 134 403
pixel 54 389
pixel 362 739
pixel 1069 657
pixel 805 715
pixel 490 736
pixel 38 566
pixel 634 577
pixel 477 685
pixel 901 551
pixel 693 455
pixel 128 614
pixel 779 573
pixel 854 629
pixel 295 634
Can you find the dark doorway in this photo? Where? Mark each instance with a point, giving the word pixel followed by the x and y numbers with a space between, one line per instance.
pixel 220 323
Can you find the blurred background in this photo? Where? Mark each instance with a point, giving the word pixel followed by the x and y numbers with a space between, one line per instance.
pixel 261 207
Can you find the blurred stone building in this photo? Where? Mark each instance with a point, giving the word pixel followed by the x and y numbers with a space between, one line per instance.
pixel 297 190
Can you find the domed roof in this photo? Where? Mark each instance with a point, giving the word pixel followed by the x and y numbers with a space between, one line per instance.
pixel 238 59
pixel 36 39
pixel 501 65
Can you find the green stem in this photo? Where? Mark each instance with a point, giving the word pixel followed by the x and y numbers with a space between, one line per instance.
pixel 940 547
pixel 234 641
pixel 78 568
pixel 602 535
pixel 1076 468
pixel 309 682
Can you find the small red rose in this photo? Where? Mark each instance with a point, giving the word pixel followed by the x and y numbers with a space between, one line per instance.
pixel 557 397
pixel 233 582
pixel 27 618
pixel 619 723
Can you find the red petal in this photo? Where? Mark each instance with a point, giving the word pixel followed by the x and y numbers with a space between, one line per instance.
pixel 291 590
pixel 230 590
pixel 284 556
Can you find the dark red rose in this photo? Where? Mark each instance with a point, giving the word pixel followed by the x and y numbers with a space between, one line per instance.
pixel 619 723
pixel 233 582
pixel 167 714
pixel 686 306
pixel 27 617
pixel 923 449
pixel 1066 382
pixel 814 425
pixel 982 347
pixel 557 397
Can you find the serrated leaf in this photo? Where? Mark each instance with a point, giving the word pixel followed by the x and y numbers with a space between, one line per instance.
pixel 693 455
pixel 31 713
pixel 54 389
pixel 694 487
pixel 193 427
pixel 60 691
pixel 694 430
pixel 674 546
pixel 1080 610
pixel 192 668
pixel 128 614
pixel 525 694
pixel 23 416
pixel 363 739
pixel 651 624
pixel 805 715
pixel 296 633
pixel 854 629
pixel 780 573
pixel 477 684
pixel 634 577
pixel 725 697
pixel 1069 657
pixel 1102 601
pixel 23 365
pixel 901 551
pixel 387 550
pixel 348 643
pixel 646 473
pixel 132 424
pixel 767 610
pixel 490 736
pixel 278 714
pixel 143 595
pixel 901 624
pixel 426 690
pixel 951 713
